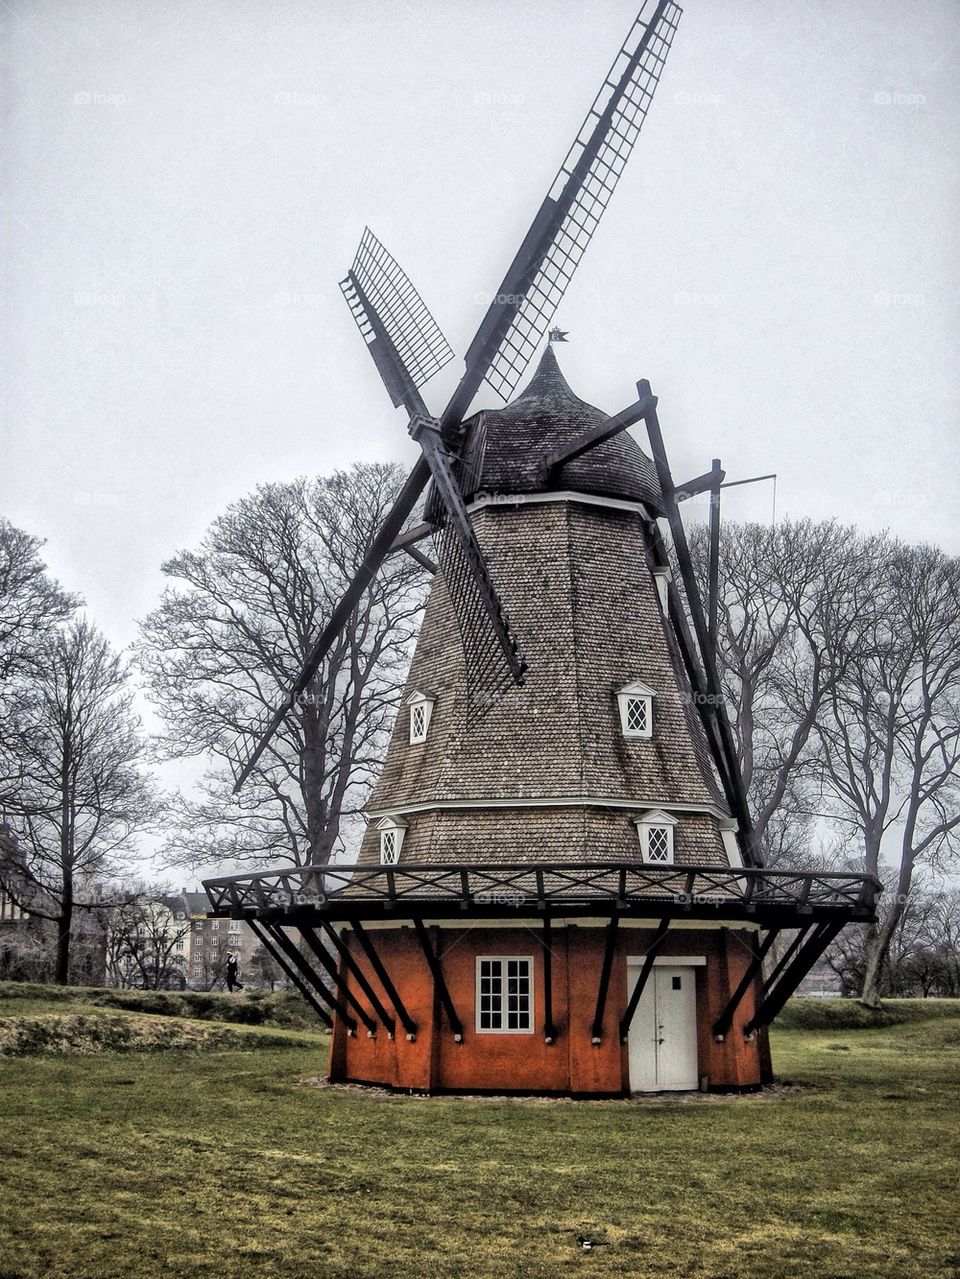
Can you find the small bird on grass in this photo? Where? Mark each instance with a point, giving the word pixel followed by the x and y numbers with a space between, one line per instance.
pixel 589 1244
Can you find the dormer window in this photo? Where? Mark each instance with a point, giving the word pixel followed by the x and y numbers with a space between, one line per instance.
pixel 655 832
pixel 392 831
pixel 636 709
pixel 421 710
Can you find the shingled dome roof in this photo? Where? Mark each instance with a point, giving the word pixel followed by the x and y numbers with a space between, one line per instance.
pixel 505 446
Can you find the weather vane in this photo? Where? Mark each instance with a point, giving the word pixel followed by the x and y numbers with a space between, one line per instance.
pixel 558 335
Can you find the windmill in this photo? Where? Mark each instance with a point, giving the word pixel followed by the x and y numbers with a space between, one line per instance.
pixel 559 840
pixel 408 348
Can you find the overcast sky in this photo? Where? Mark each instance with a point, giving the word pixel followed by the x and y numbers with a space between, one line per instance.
pixel 185 183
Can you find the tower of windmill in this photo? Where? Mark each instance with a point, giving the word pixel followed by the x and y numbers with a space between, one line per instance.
pixel 558 889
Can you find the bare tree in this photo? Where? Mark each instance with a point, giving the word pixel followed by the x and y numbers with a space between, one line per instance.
pixel 891 737
pixel 72 782
pixel 229 638
pixel 31 606
pixel 923 957
pixel 788 598
pixel 145 946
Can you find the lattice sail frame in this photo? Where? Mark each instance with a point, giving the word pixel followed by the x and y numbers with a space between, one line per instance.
pixel 586 184
pixel 415 334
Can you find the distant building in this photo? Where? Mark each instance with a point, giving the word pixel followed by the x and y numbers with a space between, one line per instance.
pixel 208 942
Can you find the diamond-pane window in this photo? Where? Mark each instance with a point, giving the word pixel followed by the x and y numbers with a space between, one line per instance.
pixel 636 709
pixel 655 832
pixel 392 831
pixel 421 710
pixel 637 714
pixel 658 844
pixel 505 995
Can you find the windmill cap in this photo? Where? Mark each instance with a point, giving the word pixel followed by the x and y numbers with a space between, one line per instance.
pixel 506 446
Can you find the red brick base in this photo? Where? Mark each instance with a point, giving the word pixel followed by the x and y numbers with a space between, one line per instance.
pixel 572 1065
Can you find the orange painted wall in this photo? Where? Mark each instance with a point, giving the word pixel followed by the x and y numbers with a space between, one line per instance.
pixel 525 1063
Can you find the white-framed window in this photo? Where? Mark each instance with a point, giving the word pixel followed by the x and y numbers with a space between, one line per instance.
pixel 505 994
pixel 655 832
pixel 236 926
pixel 215 925
pixel 392 831
pixel 198 970
pixel 421 711
pixel 635 702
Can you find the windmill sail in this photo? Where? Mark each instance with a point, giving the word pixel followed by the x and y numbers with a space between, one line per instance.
pixel 568 217
pixel 376 282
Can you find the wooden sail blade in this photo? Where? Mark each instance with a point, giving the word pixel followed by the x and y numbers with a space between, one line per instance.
pixel 528 297
pixel 382 299
pixel 491 658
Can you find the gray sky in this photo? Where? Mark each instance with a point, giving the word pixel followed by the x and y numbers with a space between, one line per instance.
pixel 185 183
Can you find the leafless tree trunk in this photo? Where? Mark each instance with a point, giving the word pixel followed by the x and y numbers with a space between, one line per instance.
pixel 891 739
pixel 72 783
pixel 228 640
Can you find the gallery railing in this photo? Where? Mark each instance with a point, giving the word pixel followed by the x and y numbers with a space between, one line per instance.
pixel 366 892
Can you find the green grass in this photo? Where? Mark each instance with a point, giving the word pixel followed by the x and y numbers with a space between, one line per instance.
pixel 221 1163
pixel 283 1008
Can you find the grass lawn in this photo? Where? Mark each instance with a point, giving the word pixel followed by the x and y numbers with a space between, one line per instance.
pixel 221 1163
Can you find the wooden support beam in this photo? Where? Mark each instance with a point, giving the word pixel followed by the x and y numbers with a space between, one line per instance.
pixel 358 975
pixel 725 1020
pixel 596 1031
pixel 549 1030
pixel 707 652
pixel 440 986
pixel 343 990
pixel 713 568
pixel 415 534
pixel 376 963
pixel 656 942
pixel 597 435
pixel 708 480
pixel 299 962
pixel 788 954
pixel 423 560
pixel 290 973
pixel 793 975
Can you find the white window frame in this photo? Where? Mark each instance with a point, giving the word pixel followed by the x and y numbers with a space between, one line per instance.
pixel 656 820
pixel 636 691
pixel 392 830
pixel 421 712
pixel 503 960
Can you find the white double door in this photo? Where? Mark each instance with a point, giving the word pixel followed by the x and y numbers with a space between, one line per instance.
pixel 662 1043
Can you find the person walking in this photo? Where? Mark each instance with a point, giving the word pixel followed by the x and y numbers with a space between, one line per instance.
pixel 233 973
